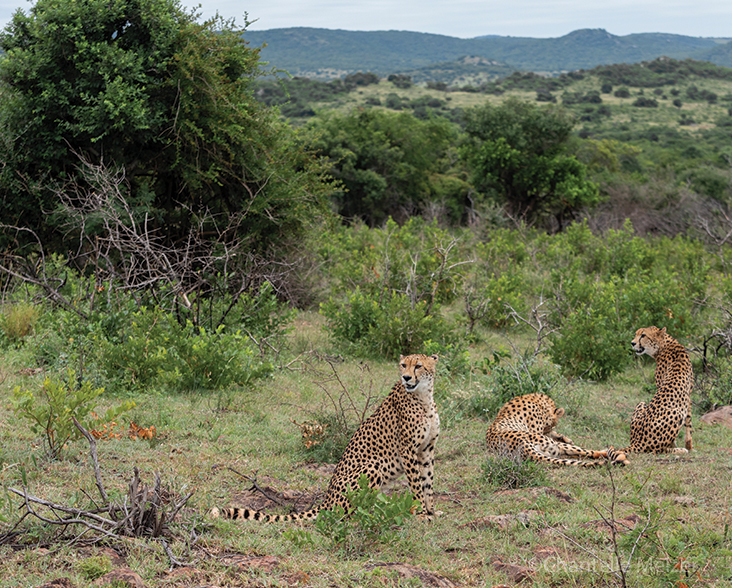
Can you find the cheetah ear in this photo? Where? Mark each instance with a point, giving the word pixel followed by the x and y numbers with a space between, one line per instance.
pixel 435 357
pixel 401 358
pixel 663 331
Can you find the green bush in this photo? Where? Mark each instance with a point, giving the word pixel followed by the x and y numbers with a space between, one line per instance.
pixel 591 343
pixel 417 257
pixel 607 287
pixel 157 352
pixel 383 327
pixel 50 413
pixel 714 383
pixel 499 380
pixel 373 517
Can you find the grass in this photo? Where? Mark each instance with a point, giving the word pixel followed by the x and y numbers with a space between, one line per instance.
pixel 684 502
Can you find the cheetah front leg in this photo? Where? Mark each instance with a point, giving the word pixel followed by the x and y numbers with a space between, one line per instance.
pixel 427 476
pixel 413 469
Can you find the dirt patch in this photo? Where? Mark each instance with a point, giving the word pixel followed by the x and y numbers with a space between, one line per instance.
pixel 503 521
pixel 266 563
pixel 320 469
pixel 535 492
pixel 621 525
pixel 270 497
pixel 408 571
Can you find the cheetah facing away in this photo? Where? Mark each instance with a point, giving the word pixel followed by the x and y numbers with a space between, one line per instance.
pixel 399 437
pixel 525 427
pixel 655 426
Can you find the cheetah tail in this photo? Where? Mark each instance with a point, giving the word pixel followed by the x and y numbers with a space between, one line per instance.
pixel 561 461
pixel 616 456
pixel 249 514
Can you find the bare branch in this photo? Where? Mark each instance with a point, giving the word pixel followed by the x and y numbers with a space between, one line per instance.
pixel 95 460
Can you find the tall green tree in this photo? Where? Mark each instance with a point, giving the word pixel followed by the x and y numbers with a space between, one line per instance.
pixel 388 164
pixel 144 86
pixel 517 153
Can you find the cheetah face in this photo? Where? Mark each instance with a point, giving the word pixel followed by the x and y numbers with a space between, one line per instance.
pixel 417 371
pixel 648 340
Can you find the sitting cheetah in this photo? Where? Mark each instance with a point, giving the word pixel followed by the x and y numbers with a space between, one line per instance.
pixel 524 427
pixel 398 438
pixel 655 426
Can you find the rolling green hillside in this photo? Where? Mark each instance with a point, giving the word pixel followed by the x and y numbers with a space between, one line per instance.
pixel 328 53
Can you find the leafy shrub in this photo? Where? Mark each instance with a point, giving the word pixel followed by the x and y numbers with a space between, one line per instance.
pixel 598 318
pixel 510 472
pixel 499 381
pixel 402 81
pixel 642 102
pixel 385 327
pixel 51 412
pixel 157 352
pixel 454 358
pixel 402 328
pixel 352 321
pixel 714 383
pixel 213 360
pixel 374 517
pixel 590 343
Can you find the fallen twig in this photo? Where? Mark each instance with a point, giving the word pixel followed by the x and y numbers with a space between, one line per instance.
pixel 256 487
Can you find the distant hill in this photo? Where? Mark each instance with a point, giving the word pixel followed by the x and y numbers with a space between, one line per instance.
pixel 719 55
pixel 326 53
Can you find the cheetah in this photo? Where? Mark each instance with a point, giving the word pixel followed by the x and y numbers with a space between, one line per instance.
pixel 399 437
pixel 655 426
pixel 525 427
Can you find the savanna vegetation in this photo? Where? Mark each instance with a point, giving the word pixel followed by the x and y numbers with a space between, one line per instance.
pixel 201 299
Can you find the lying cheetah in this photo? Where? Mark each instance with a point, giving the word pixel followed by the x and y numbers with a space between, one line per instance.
pixel 398 438
pixel 655 426
pixel 525 427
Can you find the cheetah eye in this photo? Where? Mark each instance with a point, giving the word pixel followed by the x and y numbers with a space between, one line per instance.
pixel 404 366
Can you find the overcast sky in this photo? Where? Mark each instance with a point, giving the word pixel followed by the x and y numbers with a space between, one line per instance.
pixel 472 18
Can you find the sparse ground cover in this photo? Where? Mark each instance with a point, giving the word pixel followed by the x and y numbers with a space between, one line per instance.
pixel 672 512
pixel 622 110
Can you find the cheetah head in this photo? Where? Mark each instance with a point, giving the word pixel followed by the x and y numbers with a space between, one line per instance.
pixel 417 371
pixel 648 340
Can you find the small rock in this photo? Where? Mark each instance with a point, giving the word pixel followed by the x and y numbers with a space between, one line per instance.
pixel 721 416
pixel 517 574
pixel 121 577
